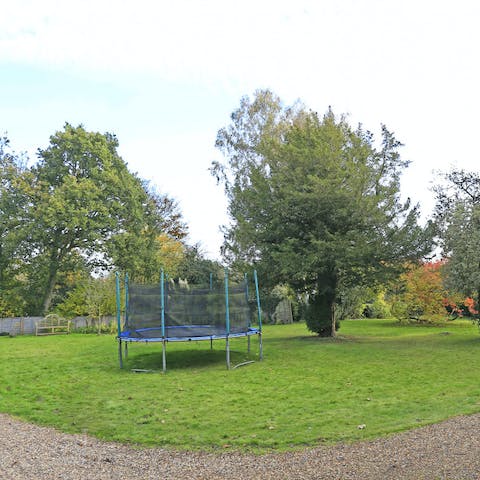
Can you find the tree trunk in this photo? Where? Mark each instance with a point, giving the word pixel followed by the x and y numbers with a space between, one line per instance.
pixel 47 299
pixel 333 319
pixel 320 315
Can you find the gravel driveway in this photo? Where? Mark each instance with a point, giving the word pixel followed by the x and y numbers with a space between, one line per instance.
pixel 448 450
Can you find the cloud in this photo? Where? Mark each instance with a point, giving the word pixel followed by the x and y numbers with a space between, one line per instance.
pixel 410 64
pixel 168 38
pixel 250 43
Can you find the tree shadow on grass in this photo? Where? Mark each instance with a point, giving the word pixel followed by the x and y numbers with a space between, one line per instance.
pixel 177 359
pixel 312 338
pixel 463 340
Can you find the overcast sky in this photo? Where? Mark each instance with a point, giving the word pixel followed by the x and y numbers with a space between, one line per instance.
pixel 164 76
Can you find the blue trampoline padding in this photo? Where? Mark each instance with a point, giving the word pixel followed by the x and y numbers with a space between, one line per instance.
pixel 182 333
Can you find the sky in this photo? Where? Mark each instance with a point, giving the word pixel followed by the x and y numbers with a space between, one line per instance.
pixel 164 77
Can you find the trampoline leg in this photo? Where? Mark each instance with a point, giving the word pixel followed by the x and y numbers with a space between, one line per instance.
pixel 164 357
pixel 261 345
pixel 126 350
pixel 211 343
pixel 248 344
pixel 120 353
pixel 228 353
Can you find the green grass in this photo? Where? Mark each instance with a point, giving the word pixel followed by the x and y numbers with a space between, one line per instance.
pixel 307 391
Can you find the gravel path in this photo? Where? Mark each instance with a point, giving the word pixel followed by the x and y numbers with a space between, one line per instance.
pixel 449 450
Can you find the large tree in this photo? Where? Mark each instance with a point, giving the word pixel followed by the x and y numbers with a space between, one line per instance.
pixel 458 221
pixel 88 211
pixel 314 203
pixel 14 184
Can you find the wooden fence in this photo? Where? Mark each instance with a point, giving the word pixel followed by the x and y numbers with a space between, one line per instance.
pixel 26 325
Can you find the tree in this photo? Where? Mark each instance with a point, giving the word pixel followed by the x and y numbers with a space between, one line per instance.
pixel 457 216
pixel 82 195
pixel 420 292
pixel 93 298
pixel 313 203
pixel 87 211
pixel 14 184
pixel 362 301
pixel 171 255
pixel 152 239
pixel 195 268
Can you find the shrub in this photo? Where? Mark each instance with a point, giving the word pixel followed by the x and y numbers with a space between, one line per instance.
pixel 377 308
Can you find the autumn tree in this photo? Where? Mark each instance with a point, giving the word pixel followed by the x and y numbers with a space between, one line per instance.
pixel 420 293
pixel 314 203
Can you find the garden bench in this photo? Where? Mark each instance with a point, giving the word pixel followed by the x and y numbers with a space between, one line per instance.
pixel 52 325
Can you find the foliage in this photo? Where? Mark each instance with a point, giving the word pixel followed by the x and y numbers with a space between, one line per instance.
pixel 420 292
pixel 472 306
pixel 82 195
pixel 362 301
pixel 271 298
pixel 14 181
pixel 195 268
pixel 8 308
pixel 77 211
pixel 153 239
pixel 93 298
pixel 377 306
pixel 171 254
pixel 319 390
pixel 314 203
pixel 351 301
pixel 458 220
pixel 459 307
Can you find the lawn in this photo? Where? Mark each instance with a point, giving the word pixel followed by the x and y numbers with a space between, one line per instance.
pixel 307 391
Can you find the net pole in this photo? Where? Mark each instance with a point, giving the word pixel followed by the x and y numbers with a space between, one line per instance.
pixel 162 301
pixel 259 312
pixel 162 314
pixel 245 276
pixel 228 352
pixel 259 309
pixel 127 308
pixel 117 298
pixel 227 309
pixel 127 298
pixel 227 320
pixel 119 323
pixel 120 360
pixel 164 356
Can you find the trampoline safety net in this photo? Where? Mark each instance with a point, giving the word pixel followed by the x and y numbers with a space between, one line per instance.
pixel 189 311
pixel 176 312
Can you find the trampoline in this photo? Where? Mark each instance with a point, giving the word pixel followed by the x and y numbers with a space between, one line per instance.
pixel 178 312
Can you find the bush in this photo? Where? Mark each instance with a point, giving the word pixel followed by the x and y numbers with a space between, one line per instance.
pixel 378 308
pixel 350 302
pixel 11 305
pixel 362 302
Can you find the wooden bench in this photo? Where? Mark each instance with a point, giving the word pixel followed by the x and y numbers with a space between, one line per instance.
pixel 52 325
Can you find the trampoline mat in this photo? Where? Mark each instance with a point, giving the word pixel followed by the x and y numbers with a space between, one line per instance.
pixel 184 333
